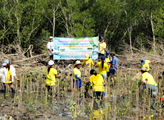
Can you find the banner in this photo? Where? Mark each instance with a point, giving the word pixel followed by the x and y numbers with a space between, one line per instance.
pixel 75 48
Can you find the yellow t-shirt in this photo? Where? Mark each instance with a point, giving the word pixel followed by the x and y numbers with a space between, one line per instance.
pixel 50 81
pixel 101 46
pixel 76 71
pixel 97 82
pixel 9 77
pixel 104 69
pixel 149 79
pixel 88 63
pixel 107 61
pixel 146 65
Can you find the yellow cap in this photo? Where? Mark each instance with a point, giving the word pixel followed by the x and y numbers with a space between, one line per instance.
pixel 86 57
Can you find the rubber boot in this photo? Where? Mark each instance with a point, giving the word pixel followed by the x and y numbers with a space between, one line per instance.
pixel 4 92
pixel 13 92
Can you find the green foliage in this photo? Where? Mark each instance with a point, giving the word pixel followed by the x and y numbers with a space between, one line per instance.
pixel 31 22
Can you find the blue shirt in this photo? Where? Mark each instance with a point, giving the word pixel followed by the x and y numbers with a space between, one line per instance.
pixel 114 62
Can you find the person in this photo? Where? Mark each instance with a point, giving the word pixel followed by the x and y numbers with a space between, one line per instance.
pixel 114 63
pixel 102 47
pixel 108 61
pixel 149 82
pixel 7 75
pixel 145 64
pixel 50 47
pixel 102 67
pixel 97 83
pixel 88 62
pixel 51 75
pixel 77 76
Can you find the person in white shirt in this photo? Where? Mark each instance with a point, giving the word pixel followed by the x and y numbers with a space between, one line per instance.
pixel 50 47
pixel 7 75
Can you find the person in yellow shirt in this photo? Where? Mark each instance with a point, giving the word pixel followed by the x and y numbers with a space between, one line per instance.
pixel 149 82
pixel 88 62
pixel 145 64
pixel 97 83
pixel 102 67
pixel 108 61
pixel 7 75
pixel 51 75
pixel 77 76
pixel 102 47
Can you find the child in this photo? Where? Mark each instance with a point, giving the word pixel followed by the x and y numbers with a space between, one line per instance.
pixel 103 67
pixel 77 76
pixel 97 84
pixel 51 74
pixel 88 62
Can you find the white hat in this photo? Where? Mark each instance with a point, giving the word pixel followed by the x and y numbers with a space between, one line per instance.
pixel 50 37
pixel 86 57
pixel 51 62
pixel 5 62
pixel 77 63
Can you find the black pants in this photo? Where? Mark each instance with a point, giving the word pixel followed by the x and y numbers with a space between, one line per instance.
pixel 49 89
pixel 112 72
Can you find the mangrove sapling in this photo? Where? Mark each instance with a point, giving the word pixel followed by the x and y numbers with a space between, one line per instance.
pixel 42 89
pixel 30 86
pixel 45 105
pixel 53 96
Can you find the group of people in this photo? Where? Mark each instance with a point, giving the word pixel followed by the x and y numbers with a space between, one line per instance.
pixel 107 66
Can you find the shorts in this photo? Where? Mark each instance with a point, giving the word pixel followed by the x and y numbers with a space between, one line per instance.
pixel 98 94
pixel 51 56
pixel 76 83
pixel 112 72
pixel 103 75
pixel 153 90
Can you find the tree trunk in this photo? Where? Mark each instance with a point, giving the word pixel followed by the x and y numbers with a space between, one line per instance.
pixel 54 19
pixel 152 27
pixel 130 39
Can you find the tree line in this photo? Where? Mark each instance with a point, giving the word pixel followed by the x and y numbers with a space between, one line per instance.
pixel 27 24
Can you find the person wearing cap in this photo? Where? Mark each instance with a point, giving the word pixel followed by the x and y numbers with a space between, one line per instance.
pixel 102 47
pixel 88 62
pixel 97 83
pixel 145 64
pixel 7 75
pixel 51 75
pixel 102 67
pixel 149 82
pixel 114 63
pixel 108 61
pixel 77 76
pixel 50 47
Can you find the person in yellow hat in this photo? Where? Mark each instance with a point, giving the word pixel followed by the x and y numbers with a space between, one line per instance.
pixel 77 76
pixel 88 62
pixel 51 75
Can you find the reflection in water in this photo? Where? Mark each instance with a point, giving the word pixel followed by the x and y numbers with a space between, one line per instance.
pixel 98 112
